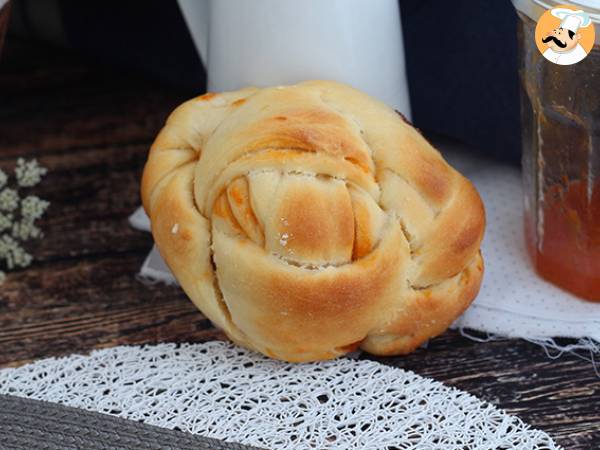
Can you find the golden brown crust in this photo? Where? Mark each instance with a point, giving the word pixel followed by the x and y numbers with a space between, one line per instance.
pixel 427 313
pixel 310 220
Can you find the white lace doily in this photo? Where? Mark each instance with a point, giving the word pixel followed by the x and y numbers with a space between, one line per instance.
pixel 222 391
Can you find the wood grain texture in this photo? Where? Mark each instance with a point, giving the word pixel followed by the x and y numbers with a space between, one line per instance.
pixel 92 126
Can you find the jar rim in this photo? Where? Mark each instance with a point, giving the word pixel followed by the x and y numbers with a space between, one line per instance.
pixel 535 8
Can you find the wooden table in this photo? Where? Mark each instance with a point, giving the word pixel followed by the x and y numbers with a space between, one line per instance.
pixel 92 126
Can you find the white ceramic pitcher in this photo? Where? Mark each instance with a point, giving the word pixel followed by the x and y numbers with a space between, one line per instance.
pixel 271 42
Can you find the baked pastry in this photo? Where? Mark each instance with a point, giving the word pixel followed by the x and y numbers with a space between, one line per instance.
pixel 308 221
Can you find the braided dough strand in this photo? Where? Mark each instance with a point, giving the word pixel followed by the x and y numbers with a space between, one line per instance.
pixel 310 220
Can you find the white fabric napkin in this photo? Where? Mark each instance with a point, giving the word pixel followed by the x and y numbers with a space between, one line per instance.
pixel 513 301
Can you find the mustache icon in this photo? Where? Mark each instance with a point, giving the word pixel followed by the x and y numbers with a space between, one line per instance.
pixel 555 40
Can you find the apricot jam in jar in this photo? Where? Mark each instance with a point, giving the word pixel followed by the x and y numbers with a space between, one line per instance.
pixel 560 120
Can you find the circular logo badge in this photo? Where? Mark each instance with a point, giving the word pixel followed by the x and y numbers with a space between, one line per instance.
pixel 565 35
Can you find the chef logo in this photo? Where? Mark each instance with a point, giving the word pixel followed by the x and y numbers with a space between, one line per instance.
pixel 564 35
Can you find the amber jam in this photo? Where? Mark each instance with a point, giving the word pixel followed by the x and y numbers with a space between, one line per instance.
pixel 569 250
pixel 560 115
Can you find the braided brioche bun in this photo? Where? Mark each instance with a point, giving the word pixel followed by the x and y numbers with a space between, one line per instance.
pixel 308 221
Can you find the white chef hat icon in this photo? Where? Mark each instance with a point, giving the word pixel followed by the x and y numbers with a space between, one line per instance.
pixel 572 20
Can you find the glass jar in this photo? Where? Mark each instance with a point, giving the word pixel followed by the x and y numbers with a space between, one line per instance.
pixel 560 116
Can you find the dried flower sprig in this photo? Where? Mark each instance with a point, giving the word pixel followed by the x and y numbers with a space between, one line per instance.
pixel 9 199
pixel 6 221
pixel 19 214
pixel 29 173
pixel 3 179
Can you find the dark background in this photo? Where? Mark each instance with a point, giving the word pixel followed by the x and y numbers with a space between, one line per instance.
pixel 463 80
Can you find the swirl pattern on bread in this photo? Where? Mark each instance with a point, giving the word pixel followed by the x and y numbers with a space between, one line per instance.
pixel 307 221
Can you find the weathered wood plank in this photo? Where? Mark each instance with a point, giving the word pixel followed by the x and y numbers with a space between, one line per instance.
pixel 57 104
pixel 92 193
pixel 77 305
